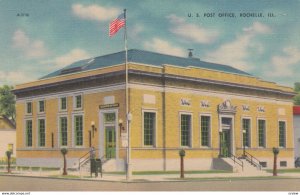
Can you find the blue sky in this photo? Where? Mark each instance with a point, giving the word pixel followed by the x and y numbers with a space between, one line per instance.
pixel 40 36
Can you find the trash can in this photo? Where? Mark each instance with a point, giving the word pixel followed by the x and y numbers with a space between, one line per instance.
pixel 94 168
pixel 99 166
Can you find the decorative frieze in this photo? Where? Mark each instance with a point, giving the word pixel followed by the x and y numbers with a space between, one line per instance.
pixel 246 107
pixel 185 102
pixel 204 104
pixel 261 109
pixel 226 107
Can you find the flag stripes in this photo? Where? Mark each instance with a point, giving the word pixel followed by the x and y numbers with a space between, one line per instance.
pixel 116 25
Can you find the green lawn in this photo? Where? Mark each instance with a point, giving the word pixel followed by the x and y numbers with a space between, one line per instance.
pixel 169 172
pixel 295 170
pixel 66 176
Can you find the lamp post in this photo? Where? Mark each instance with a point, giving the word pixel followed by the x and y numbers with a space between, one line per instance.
pixel 121 126
pixel 275 152
pixel 220 144
pixel 181 154
pixel 244 143
pixel 93 127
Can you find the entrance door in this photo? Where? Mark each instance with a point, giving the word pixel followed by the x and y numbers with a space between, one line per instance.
pixel 110 139
pixel 226 137
pixel 225 143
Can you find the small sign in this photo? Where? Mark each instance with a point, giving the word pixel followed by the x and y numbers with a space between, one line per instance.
pixel 124 139
pixel 109 106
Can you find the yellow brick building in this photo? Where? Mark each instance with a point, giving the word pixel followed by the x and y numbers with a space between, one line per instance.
pixel 209 110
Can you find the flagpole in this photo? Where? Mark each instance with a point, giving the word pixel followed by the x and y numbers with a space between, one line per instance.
pixel 128 115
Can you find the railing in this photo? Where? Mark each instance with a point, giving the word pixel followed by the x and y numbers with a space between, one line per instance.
pixel 86 158
pixel 252 160
pixel 236 161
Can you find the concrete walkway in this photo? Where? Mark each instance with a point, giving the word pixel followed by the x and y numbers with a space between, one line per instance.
pixel 148 177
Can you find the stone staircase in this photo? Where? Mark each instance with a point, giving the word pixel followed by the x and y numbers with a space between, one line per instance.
pixel 240 165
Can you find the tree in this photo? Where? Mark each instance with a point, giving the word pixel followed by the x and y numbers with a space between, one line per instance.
pixel 7 102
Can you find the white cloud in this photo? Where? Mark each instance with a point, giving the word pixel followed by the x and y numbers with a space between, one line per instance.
pixel 191 32
pixel 14 77
pixel 30 48
pixel 282 65
pixel 258 27
pixel 163 46
pixel 68 58
pixel 237 52
pixel 95 12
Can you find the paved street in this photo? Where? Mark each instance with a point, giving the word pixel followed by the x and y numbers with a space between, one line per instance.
pixel 15 183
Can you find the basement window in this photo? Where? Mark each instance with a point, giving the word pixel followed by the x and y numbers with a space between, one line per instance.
pixel 283 164
pixel 263 164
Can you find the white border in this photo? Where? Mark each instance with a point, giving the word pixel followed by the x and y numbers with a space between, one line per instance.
pixel 38 132
pixel 257 132
pixel 191 130
pixel 73 129
pixel 155 128
pixel 210 130
pixel 285 121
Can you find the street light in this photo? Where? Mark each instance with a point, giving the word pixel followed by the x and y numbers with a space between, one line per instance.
pixel 244 143
pixel 220 136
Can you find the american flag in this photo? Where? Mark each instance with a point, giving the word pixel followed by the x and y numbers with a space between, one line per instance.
pixel 116 24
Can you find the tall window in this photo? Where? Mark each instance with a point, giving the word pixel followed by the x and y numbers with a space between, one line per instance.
pixel 78 101
pixel 29 107
pixel 149 128
pixel 282 134
pixel 246 135
pixel 63 103
pixel 29 133
pixel 63 125
pixel 205 131
pixel 41 106
pixel 185 130
pixel 261 133
pixel 78 122
pixel 41 131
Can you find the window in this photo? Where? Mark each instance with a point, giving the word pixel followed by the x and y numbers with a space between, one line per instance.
pixel 282 134
pixel 78 102
pixel 28 133
pixel 29 107
pixel 263 163
pixel 78 122
pixel 185 130
pixel 283 164
pixel 41 132
pixel 149 128
pixel 63 126
pixel 261 133
pixel 41 106
pixel 63 103
pixel 205 131
pixel 246 135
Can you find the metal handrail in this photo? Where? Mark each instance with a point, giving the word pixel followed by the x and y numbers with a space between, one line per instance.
pixel 236 160
pixel 85 159
pixel 252 160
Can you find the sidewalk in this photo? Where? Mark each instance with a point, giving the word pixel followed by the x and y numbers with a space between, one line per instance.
pixel 149 177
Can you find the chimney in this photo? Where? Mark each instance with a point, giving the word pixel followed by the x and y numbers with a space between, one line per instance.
pixel 190 53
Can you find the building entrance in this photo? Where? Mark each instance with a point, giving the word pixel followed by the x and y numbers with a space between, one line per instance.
pixel 225 137
pixel 110 138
